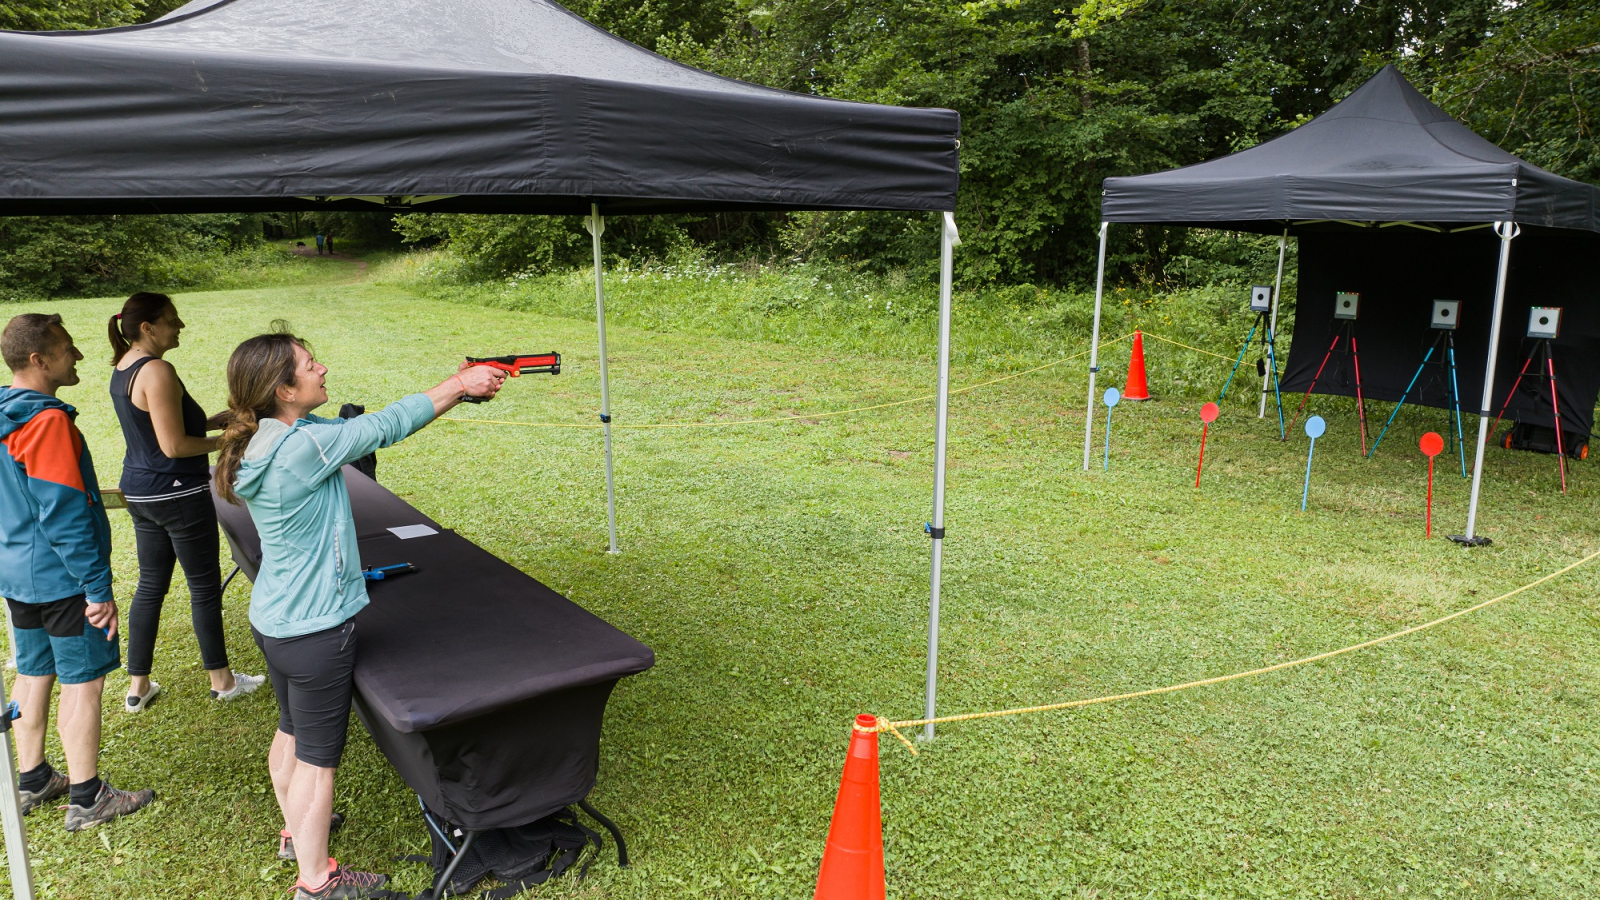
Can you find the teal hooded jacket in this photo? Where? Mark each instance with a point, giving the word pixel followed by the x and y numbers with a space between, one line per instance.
pixel 55 540
pixel 290 480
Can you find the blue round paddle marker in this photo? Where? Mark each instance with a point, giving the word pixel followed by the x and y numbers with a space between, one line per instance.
pixel 1315 427
pixel 1112 396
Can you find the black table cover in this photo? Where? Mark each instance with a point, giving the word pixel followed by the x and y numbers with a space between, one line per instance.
pixel 484 688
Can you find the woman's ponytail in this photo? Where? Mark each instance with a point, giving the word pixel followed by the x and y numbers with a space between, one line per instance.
pixel 256 370
pixel 126 327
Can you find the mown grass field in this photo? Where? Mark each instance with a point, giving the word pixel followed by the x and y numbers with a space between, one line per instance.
pixel 780 573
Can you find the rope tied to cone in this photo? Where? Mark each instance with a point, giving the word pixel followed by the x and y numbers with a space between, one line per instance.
pixel 883 724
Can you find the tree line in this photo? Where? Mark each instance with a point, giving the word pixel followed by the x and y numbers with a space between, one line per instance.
pixel 1053 98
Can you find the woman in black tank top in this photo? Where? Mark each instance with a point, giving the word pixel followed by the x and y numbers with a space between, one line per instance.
pixel 165 478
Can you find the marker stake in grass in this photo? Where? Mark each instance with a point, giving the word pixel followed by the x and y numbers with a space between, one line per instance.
pixel 1315 427
pixel 1112 396
pixel 1208 414
pixel 1430 445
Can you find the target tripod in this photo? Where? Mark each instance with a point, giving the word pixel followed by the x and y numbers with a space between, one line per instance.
pixel 1262 324
pixel 1348 333
pixel 1541 349
pixel 1447 363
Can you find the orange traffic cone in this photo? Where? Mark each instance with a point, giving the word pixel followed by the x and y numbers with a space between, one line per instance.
pixel 1137 388
pixel 852 864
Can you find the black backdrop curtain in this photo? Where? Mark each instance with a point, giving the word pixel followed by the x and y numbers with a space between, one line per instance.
pixel 1400 271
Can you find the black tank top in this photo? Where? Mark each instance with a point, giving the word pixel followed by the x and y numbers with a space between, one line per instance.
pixel 147 473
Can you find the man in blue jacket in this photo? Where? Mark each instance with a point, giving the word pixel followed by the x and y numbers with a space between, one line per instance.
pixel 55 575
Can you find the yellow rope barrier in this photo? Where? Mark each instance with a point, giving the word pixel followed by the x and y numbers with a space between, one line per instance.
pixel 884 725
pixel 1186 346
pixel 798 417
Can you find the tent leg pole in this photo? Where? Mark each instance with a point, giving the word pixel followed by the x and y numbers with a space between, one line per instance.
pixel 1094 348
pixel 1272 327
pixel 1506 231
pixel 596 225
pixel 948 239
pixel 21 869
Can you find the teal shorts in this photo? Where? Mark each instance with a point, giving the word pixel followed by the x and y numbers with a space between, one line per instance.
pixel 57 639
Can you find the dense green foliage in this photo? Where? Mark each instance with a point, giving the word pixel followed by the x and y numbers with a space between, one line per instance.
pixel 1053 99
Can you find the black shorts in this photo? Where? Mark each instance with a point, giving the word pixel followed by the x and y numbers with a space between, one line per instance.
pixel 314 677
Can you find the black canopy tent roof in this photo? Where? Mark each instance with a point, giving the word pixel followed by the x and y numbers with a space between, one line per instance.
pixel 1382 158
pixel 1384 154
pixel 444 105
pixel 509 106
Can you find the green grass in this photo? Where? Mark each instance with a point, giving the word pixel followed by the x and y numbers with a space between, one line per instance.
pixel 780 573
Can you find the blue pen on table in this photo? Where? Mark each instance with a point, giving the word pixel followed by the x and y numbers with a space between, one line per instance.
pixel 379 573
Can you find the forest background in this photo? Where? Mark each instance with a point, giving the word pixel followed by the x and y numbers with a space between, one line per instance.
pixel 1054 97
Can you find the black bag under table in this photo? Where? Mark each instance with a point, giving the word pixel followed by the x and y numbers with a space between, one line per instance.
pixel 484 688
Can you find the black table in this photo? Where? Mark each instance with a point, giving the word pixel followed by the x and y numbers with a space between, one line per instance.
pixel 484 688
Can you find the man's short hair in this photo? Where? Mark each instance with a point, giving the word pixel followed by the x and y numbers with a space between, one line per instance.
pixel 28 334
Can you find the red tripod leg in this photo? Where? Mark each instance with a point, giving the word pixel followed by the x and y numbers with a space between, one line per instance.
pixel 1314 378
pixel 1361 403
pixel 1561 455
pixel 1507 405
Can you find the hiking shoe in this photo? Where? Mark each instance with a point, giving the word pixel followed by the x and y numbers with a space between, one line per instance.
pixel 345 884
pixel 242 684
pixel 56 787
pixel 108 804
pixel 286 843
pixel 136 703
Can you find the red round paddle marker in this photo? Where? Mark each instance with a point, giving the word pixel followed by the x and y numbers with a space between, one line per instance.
pixel 1431 444
pixel 1209 413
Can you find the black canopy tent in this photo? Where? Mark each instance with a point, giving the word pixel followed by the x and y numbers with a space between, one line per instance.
pixel 1383 160
pixel 510 106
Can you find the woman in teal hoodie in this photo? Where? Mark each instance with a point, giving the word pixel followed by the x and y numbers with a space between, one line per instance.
pixel 285 463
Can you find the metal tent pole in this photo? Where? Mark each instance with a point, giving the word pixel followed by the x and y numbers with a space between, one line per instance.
pixel 1094 348
pixel 596 226
pixel 1507 231
pixel 948 239
pixel 11 810
pixel 1272 326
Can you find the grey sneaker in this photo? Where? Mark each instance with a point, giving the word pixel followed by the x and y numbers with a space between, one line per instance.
pixel 108 804
pixel 56 787
pixel 242 684
pixel 345 884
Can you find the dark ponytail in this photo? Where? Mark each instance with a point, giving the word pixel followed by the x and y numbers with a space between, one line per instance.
pixel 255 371
pixel 123 329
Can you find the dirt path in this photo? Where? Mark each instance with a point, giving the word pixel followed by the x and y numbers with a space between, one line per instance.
pixel 359 264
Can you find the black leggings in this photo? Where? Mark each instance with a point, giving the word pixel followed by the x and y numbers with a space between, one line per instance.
pixel 183 530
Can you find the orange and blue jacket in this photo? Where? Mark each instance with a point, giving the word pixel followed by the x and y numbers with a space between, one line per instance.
pixel 55 540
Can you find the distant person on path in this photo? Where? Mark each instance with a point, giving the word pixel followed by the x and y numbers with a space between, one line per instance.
pixel 330 243
pixel 319 243
pixel 55 573
pixel 285 464
pixel 166 480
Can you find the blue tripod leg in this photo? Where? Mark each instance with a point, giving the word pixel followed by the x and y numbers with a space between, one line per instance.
pixel 1461 443
pixel 1425 358
pixel 1242 351
pixel 1273 358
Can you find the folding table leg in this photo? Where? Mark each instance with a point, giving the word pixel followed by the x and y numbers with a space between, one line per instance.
pixel 442 886
pixel 622 848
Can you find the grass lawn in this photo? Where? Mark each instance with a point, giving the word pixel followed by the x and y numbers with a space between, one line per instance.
pixel 780 573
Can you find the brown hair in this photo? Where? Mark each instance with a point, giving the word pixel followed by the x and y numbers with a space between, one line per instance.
pixel 26 335
pixel 123 328
pixel 256 370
